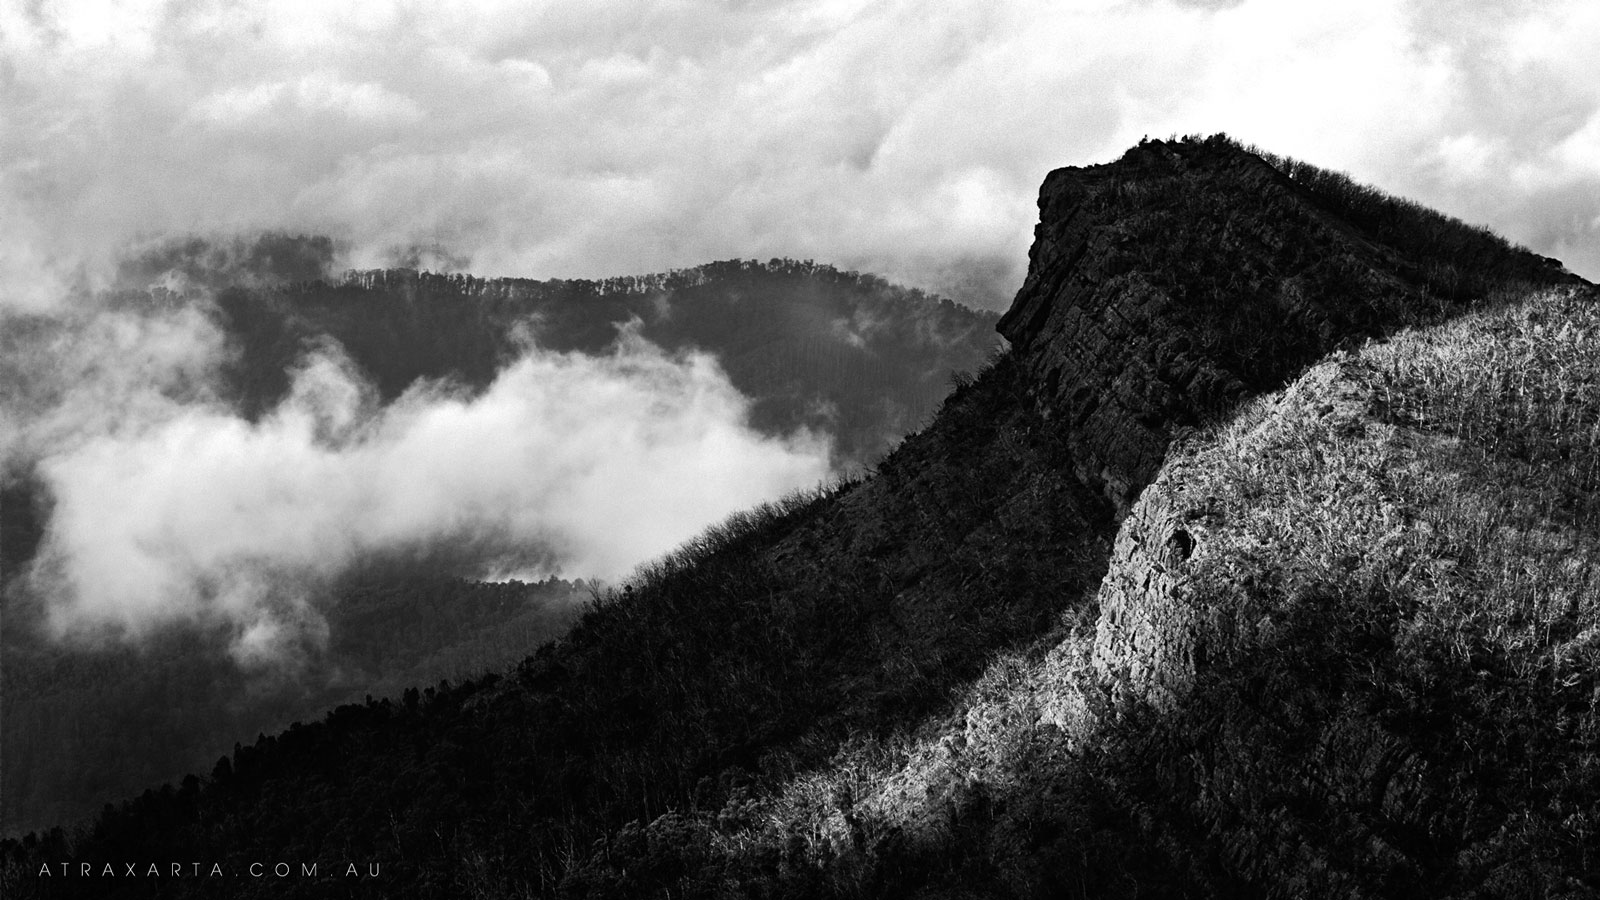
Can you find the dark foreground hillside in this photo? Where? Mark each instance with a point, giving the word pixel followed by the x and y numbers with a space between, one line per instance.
pixel 1338 646
pixel 83 725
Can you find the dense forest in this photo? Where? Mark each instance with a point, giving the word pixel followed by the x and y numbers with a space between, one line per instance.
pixel 85 724
pixel 1312 656
pixel 847 354
pixel 843 352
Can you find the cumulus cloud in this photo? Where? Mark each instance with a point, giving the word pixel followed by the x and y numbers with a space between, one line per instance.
pixel 168 507
pixel 99 370
pixel 581 139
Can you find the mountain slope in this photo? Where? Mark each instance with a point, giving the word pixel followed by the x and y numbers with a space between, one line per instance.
pixel 1168 286
pixel 1377 650
pixel 952 678
pixel 1346 646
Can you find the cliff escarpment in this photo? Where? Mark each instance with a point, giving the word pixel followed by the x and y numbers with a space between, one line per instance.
pixel 1166 287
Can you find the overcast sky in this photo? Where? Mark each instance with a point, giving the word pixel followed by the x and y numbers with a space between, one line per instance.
pixel 550 139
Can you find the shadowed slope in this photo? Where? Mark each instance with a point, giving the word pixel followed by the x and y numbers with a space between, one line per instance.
pixel 1168 286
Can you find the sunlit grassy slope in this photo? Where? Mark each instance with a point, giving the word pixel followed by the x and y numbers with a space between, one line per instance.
pixel 1390 604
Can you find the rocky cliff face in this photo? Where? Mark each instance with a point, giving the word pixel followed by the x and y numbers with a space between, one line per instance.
pixel 1168 604
pixel 1167 288
pixel 1169 285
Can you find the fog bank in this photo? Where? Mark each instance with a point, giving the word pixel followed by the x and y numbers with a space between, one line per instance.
pixel 168 507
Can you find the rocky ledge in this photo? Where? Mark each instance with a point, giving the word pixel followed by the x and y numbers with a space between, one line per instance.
pixel 1166 287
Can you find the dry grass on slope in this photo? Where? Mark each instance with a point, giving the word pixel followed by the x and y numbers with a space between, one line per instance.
pixel 1390 622
pixel 1377 650
pixel 1454 472
pixel 1383 654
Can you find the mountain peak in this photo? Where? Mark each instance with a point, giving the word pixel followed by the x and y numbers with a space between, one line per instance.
pixel 1165 287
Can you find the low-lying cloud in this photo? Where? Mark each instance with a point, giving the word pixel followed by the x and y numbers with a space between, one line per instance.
pixel 170 508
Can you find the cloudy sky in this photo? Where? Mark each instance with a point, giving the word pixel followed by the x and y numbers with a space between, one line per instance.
pixel 570 139
pixel 601 137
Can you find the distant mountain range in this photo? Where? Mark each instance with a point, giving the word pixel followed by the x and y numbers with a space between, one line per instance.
pixel 1262 564
pixel 846 354
pixel 849 354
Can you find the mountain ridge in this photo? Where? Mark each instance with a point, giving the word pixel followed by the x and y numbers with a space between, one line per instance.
pixel 1150 305
pixel 895 687
pixel 796 336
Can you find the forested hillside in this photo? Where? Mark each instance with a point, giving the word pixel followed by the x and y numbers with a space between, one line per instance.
pixel 849 354
pixel 1330 645
pixel 858 359
pixel 84 724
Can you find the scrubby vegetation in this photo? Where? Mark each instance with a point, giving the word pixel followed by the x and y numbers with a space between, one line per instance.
pixel 1397 590
pixel 1396 559
pixel 1451 257
pixel 1340 261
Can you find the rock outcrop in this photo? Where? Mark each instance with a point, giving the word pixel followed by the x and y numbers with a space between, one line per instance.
pixel 1355 629
pixel 1316 626
pixel 1164 610
pixel 1167 286
pixel 1146 637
